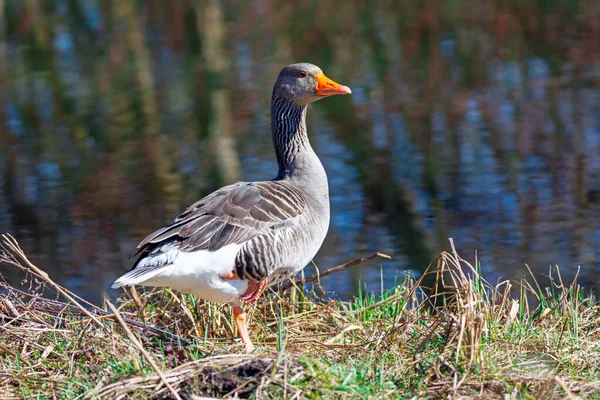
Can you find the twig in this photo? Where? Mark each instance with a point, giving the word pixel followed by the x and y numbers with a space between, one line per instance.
pixel 141 325
pixel 144 352
pixel 332 270
pixel 10 245
pixel 100 315
pixel 95 314
pixel 165 334
pixel 13 246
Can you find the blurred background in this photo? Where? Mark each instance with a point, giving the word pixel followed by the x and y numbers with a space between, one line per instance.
pixel 477 120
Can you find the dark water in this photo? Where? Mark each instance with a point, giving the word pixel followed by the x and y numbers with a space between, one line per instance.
pixel 477 120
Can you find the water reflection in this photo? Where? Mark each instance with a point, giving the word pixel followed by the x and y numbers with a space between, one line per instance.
pixel 473 121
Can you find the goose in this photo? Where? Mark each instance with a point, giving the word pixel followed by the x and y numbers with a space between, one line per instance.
pixel 231 245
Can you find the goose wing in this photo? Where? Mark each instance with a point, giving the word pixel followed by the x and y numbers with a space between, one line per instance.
pixel 234 214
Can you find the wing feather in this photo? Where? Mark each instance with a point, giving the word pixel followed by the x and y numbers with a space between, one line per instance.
pixel 234 214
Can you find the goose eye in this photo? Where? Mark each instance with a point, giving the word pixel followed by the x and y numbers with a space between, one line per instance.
pixel 301 74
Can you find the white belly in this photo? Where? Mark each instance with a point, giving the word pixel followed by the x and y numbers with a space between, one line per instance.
pixel 200 272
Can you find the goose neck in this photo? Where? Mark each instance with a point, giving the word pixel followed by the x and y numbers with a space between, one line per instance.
pixel 295 157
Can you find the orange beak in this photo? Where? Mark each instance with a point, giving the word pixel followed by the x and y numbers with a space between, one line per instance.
pixel 327 87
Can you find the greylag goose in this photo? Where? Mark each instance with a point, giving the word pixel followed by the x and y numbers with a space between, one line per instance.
pixel 232 244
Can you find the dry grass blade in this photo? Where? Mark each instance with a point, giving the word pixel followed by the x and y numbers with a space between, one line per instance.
pixel 9 243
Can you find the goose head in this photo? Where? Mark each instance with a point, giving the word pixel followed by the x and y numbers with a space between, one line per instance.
pixel 304 83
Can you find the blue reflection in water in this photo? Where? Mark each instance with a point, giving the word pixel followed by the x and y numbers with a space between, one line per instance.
pixel 108 122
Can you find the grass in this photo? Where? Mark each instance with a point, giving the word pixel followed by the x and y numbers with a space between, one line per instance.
pixel 465 338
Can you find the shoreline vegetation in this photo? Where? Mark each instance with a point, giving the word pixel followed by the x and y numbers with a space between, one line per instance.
pixel 462 337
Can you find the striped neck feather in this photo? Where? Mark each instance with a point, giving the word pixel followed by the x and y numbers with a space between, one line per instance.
pixel 288 125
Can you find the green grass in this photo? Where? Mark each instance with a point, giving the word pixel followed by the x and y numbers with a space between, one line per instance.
pixel 464 339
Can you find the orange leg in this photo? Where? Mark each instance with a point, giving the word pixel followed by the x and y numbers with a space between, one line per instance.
pixel 240 321
pixel 255 289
